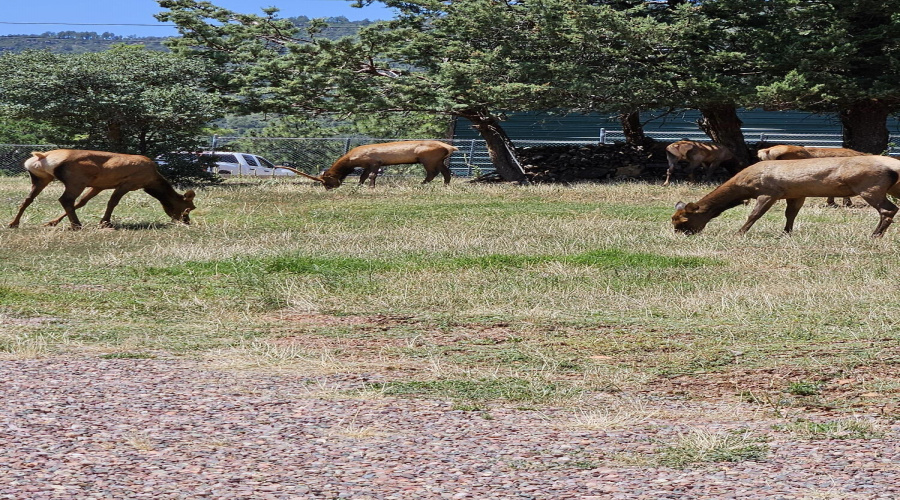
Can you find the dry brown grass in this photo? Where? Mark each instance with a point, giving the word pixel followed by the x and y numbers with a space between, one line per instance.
pixel 821 300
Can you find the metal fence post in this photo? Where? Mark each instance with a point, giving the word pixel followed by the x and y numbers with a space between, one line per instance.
pixel 602 136
pixel 471 156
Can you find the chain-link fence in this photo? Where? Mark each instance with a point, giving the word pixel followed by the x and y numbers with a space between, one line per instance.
pixel 12 156
pixel 313 155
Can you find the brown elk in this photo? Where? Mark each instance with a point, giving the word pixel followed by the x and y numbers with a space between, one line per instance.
pixel 871 177
pixel 97 171
pixel 790 152
pixel 696 154
pixel 433 155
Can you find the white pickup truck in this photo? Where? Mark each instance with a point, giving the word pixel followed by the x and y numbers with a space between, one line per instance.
pixel 229 163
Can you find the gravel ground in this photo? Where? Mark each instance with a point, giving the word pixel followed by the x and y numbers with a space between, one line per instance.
pixel 90 428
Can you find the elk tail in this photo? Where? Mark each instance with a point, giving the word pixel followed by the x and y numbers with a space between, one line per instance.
pixel 304 174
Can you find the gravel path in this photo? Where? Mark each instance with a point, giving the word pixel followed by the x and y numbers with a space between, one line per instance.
pixel 169 429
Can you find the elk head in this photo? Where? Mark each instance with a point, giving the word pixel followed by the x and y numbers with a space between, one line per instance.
pixel 687 218
pixel 181 207
pixel 330 182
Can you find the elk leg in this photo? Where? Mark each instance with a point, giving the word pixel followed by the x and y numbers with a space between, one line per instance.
pixel 37 185
pixel 886 210
pixel 710 169
pixel 431 171
pixel 364 175
pixel 114 199
pixel 672 162
pixel 790 213
pixel 692 169
pixel 763 204
pixel 67 200
pixel 84 199
pixel 445 170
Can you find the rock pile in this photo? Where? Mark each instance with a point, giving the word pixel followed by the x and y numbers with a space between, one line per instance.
pixel 601 162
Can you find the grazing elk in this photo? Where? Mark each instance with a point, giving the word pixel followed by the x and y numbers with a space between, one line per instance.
pixel 696 153
pixel 871 177
pixel 433 155
pixel 790 152
pixel 96 171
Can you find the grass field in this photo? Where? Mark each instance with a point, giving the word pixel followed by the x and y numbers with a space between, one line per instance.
pixel 533 295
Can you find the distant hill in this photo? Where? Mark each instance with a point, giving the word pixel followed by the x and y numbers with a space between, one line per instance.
pixel 77 42
pixel 74 42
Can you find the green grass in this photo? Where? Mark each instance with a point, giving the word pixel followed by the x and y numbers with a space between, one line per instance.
pixel 849 428
pixel 477 291
pixel 699 447
pixel 513 389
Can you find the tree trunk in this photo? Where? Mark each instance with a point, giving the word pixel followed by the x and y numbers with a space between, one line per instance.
pixel 115 137
pixel 865 126
pixel 499 146
pixel 632 128
pixel 722 125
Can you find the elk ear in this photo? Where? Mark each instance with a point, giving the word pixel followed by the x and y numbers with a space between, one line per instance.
pixel 189 195
pixel 687 207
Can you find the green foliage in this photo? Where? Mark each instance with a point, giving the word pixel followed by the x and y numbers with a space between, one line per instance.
pixel 408 125
pixel 13 131
pixel 804 388
pixel 828 55
pixel 435 58
pixel 127 99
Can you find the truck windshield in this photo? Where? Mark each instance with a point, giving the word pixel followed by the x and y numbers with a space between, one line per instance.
pixel 226 158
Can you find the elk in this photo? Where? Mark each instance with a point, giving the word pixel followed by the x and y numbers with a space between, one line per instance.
pixel 870 177
pixel 790 152
pixel 433 155
pixel 97 171
pixel 696 154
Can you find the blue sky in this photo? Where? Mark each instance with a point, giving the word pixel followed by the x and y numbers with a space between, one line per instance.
pixel 108 15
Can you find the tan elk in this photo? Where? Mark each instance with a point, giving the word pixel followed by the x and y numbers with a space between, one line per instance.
pixel 791 152
pixel 696 153
pixel 870 177
pixel 97 171
pixel 433 155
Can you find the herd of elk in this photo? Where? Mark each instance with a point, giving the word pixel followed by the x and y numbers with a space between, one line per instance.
pixel 433 155
pixel 792 173
pixel 97 171
pixel 870 177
